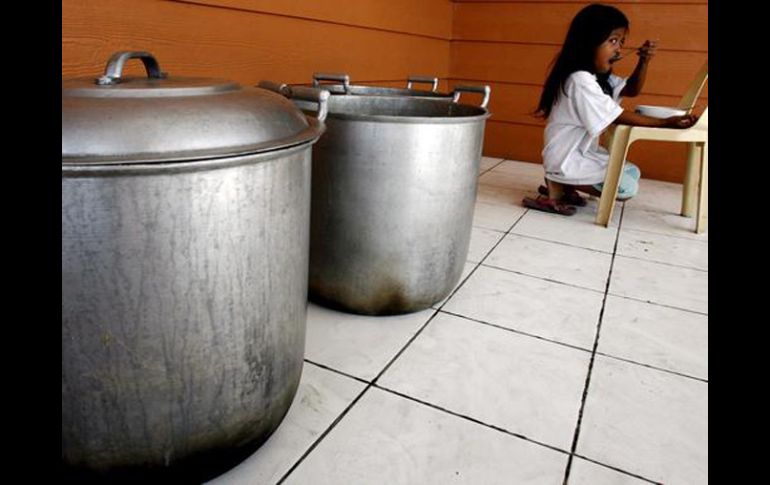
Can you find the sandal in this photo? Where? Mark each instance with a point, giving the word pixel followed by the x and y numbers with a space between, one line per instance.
pixel 569 198
pixel 548 205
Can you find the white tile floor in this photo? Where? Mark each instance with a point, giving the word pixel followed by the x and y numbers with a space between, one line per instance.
pixel 568 351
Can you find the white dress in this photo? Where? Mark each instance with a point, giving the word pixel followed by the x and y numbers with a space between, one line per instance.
pixel 572 154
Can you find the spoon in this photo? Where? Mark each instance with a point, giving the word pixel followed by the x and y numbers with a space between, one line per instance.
pixel 619 57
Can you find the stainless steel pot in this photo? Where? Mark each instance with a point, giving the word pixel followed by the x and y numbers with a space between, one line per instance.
pixel 185 221
pixel 394 189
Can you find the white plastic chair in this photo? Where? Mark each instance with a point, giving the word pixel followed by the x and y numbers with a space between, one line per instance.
pixel 695 190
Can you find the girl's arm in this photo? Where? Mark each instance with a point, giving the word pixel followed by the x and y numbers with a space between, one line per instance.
pixel 635 119
pixel 635 82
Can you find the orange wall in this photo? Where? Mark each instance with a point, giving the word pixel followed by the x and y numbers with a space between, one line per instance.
pixel 507 44
pixel 510 45
pixel 251 40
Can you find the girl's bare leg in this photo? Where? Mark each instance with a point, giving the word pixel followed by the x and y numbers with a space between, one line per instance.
pixel 588 189
pixel 555 190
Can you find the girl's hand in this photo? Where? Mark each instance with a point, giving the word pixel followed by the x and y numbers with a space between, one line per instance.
pixel 684 121
pixel 647 50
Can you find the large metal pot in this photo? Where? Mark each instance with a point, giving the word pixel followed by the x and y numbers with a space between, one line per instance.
pixel 185 221
pixel 394 189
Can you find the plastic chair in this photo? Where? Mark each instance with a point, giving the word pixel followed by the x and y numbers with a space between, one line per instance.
pixel 693 91
pixel 695 190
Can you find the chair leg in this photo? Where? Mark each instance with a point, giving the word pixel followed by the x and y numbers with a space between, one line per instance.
pixel 691 177
pixel 703 192
pixel 618 151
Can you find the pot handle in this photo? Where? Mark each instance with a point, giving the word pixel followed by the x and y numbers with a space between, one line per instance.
pixel 114 71
pixel 485 90
pixel 316 95
pixel 422 79
pixel 282 88
pixel 320 96
pixel 338 77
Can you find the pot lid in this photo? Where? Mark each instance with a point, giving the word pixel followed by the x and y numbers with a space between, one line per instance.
pixel 160 118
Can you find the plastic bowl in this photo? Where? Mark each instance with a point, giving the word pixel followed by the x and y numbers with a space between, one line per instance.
pixel 659 111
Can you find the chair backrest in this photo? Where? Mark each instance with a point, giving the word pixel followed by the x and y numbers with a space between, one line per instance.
pixel 691 96
pixel 703 120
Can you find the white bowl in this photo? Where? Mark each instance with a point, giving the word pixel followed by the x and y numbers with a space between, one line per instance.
pixel 659 111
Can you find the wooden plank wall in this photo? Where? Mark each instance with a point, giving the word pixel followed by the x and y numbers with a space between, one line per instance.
pixel 250 40
pixel 510 45
pixel 507 44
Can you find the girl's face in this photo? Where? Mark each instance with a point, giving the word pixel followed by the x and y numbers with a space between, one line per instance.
pixel 609 50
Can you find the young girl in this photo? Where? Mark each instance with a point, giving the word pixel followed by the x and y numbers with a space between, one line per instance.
pixel 580 100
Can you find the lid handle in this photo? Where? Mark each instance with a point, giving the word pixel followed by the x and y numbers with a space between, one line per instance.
pixel 422 79
pixel 485 90
pixel 338 77
pixel 114 70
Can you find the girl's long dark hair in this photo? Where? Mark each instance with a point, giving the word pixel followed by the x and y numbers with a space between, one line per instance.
pixel 588 30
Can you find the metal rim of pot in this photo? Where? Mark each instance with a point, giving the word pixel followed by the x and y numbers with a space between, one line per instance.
pixel 343 87
pixel 479 112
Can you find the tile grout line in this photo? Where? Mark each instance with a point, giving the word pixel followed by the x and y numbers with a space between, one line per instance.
pixel 617 469
pixel 649 366
pixel 663 263
pixel 576 436
pixel 531 335
pixel 332 369
pixel 509 187
pixel 516 331
pixel 514 161
pixel 373 381
pixel 369 385
pixel 688 310
pixel 572 346
pixel 505 431
pixel 500 268
pixel 676 236
pixel 469 418
pixel 492 167
pixel 489 228
pixel 323 435
pixel 561 243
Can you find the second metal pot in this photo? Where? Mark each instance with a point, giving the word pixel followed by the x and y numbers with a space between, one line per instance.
pixel 394 189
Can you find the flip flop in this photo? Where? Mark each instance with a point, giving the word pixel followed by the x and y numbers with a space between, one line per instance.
pixel 569 198
pixel 548 205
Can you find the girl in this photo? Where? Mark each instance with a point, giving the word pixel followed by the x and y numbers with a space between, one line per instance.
pixel 580 100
